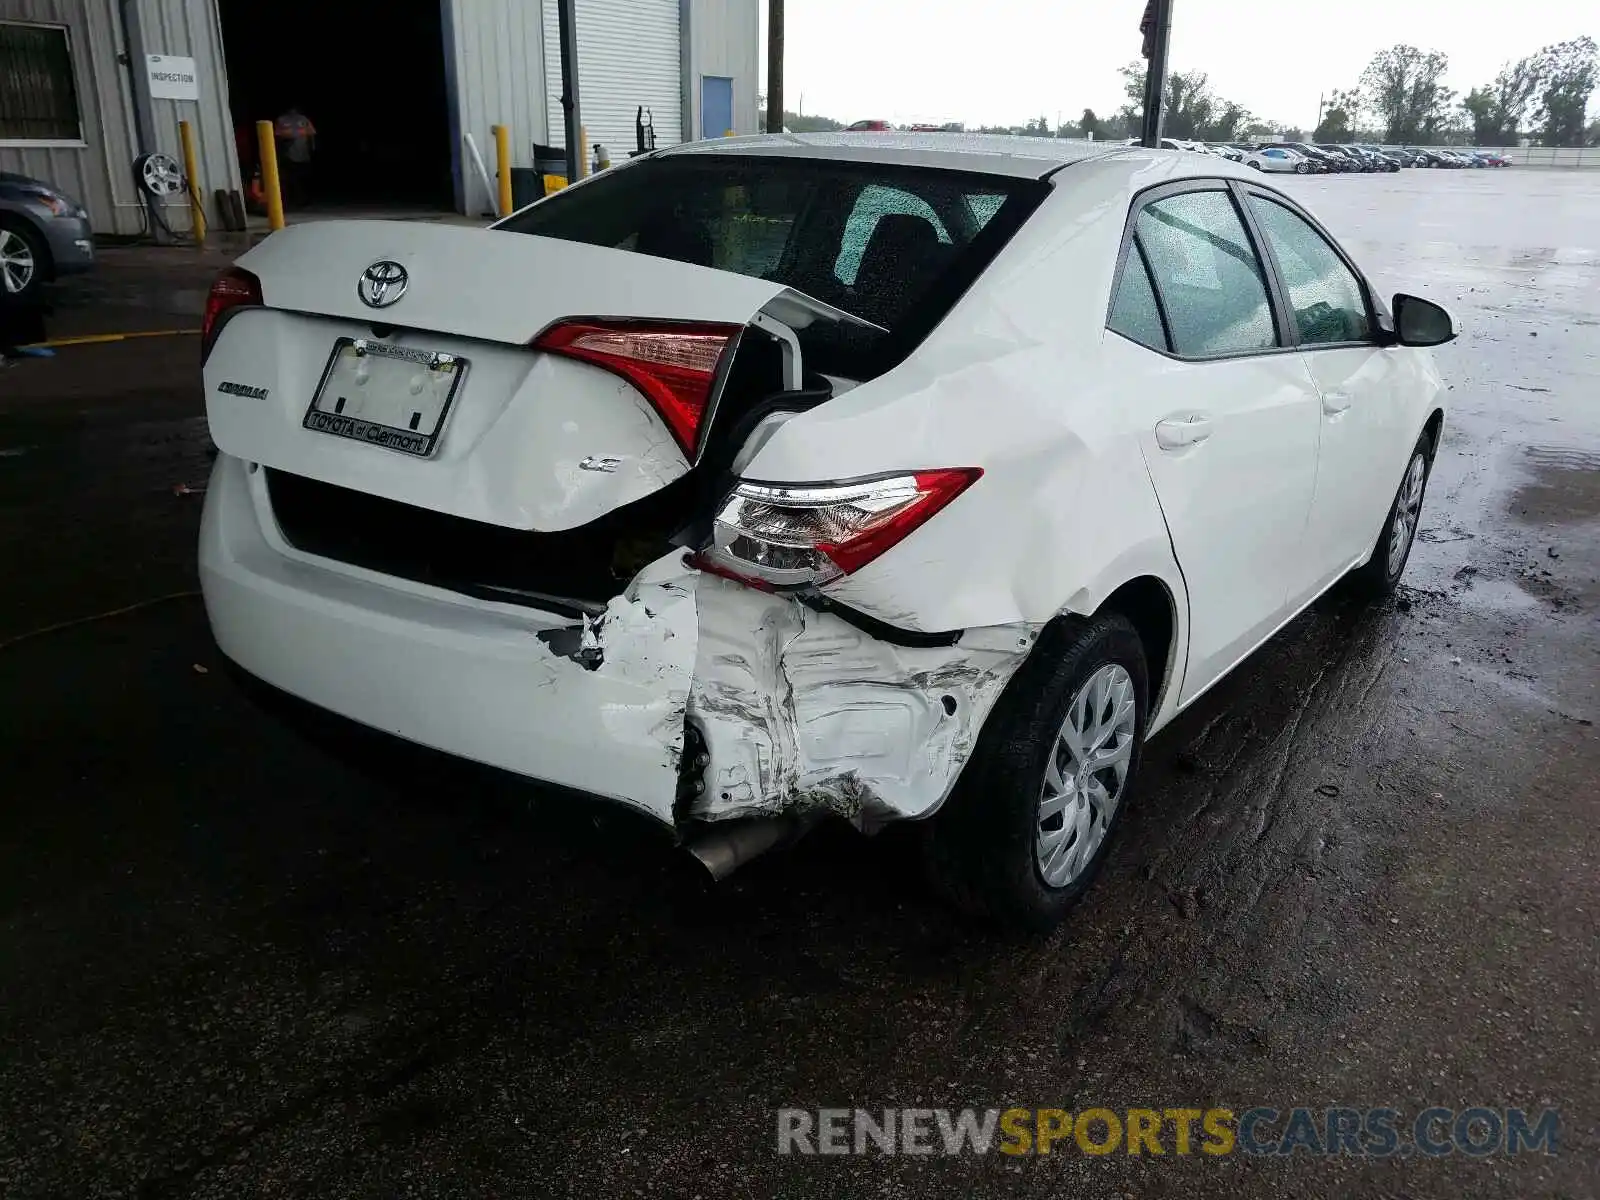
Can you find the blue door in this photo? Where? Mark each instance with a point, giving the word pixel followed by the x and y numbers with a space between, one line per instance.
pixel 716 105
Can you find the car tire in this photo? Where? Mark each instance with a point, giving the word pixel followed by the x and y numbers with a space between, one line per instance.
pixel 1301 168
pixel 1255 166
pixel 21 244
pixel 1029 824
pixel 1382 571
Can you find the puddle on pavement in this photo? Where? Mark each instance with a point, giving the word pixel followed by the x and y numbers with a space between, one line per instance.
pixel 1563 488
pixel 1488 594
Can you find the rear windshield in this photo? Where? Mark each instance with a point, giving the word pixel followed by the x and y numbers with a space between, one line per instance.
pixel 896 245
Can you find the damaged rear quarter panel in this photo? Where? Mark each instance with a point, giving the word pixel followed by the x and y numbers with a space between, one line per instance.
pixel 801 710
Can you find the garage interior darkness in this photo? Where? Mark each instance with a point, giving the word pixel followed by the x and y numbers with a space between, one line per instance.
pixel 370 77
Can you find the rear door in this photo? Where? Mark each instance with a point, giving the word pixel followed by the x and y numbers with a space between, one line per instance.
pixel 1232 449
pixel 1365 428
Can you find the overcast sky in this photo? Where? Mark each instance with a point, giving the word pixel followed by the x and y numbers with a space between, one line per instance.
pixel 1008 61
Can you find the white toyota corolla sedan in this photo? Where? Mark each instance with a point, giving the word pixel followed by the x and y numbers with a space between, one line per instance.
pixel 892 477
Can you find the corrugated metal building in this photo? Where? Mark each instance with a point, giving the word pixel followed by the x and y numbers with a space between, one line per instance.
pixel 392 86
pixel 76 124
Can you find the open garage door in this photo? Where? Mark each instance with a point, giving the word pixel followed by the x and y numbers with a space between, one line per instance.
pixel 628 55
pixel 371 79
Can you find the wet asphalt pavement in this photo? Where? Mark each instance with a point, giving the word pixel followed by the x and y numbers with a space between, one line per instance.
pixel 245 956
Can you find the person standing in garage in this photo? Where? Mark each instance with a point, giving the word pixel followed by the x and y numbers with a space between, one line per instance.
pixel 297 139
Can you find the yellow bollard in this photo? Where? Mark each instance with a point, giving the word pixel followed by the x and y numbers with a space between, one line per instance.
pixel 268 146
pixel 583 151
pixel 197 211
pixel 502 165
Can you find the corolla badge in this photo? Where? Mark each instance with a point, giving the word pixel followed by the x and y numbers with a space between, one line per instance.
pixel 382 283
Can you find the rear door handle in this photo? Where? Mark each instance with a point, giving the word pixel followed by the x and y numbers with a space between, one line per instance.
pixel 1334 403
pixel 1175 435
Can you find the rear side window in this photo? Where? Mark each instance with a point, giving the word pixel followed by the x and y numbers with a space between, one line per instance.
pixel 1329 303
pixel 1211 282
pixel 893 244
pixel 1134 311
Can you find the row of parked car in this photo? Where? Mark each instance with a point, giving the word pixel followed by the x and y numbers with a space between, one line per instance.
pixel 1302 158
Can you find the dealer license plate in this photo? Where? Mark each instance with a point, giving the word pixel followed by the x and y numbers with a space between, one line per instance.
pixel 391 396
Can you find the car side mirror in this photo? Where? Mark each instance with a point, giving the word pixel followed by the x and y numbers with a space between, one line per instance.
pixel 1419 322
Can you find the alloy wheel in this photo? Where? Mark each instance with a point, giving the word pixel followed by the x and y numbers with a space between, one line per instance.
pixel 1085 775
pixel 1407 512
pixel 17 266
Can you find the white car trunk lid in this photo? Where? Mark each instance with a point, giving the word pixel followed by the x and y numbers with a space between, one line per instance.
pixel 526 439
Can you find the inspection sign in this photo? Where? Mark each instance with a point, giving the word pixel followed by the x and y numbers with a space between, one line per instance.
pixel 171 77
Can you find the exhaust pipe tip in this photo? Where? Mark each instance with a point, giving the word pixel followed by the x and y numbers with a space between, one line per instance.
pixel 723 850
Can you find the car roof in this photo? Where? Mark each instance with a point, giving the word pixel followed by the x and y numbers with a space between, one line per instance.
pixel 994 154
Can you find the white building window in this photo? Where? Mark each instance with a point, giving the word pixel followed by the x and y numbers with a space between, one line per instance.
pixel 38 94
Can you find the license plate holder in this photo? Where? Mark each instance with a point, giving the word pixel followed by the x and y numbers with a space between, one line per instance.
pixel 392 396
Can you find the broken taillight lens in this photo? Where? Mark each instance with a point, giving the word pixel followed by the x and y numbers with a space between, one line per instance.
pixel 788 535
pixel 234 288
pixel 675 365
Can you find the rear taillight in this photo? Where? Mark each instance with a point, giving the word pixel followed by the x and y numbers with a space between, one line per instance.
pixel 675 365
pixel 788 535
pixel 235 288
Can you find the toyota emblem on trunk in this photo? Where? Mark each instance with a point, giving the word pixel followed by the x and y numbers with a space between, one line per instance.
pixel 382 284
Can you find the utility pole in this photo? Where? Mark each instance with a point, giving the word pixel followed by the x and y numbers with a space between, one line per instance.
pixel 774 66
pixel 1318 125
pixel 1157 30
pixel 568 17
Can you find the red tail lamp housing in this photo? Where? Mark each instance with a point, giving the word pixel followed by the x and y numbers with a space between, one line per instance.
pixel 677 365
pixel 783 536
pixel 234 289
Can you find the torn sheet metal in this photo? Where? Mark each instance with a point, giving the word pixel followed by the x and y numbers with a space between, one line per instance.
pixel 801 710
pixel 645 636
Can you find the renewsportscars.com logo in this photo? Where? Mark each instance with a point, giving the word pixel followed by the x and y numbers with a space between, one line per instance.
pixel 1332 1132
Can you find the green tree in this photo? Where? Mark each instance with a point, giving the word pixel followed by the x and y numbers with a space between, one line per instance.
pixel 1568 72
pixel 1497 110
pixel 1089 125
pixel 1481 107
pixel 796 123
pixel 1513 89
pixel 1402 86
pixel 1339 118
pixel 1334 127
pixel 1192 110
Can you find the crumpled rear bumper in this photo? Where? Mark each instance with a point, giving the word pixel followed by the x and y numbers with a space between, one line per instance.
pixel 801 709
pixel 793 709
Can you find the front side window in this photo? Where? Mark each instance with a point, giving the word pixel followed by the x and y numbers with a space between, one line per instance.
pixel 38 97
pixel 1211 282
pixel 1328 301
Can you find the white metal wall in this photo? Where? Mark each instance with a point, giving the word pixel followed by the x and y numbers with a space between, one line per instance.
pixel 724 38
pixel 95 170
pixel 497 62
pixel 99 169
pixel 191 29
pixel 630 53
